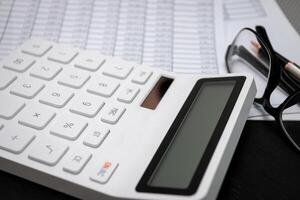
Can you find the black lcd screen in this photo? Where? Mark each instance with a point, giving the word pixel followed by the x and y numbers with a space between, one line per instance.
pixel 183 156
pixel 179 163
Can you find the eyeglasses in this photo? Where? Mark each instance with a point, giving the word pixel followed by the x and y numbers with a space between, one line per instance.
pixel 251 52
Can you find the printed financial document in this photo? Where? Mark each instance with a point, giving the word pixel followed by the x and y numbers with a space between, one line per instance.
pixel 176 35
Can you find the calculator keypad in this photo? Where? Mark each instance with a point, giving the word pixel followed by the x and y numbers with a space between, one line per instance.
pixel 69 103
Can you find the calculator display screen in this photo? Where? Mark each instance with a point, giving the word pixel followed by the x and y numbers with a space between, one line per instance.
pixel 178 165
pixel 184 154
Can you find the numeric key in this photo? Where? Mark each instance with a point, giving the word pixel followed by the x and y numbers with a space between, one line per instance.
pixel 118 71
pixel 45 70
pixel 36 48
pixel 62 55
pixel 26 88
pixel 91 61
pixel 87 106
pixel 73 78
pixel 18 63
pixel 103 86
pixel 56 97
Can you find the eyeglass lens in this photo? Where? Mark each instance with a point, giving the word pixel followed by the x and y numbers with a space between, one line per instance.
pixel 248 54
pixel 290 122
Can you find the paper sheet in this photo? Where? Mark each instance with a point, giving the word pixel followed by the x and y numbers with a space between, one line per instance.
pixel 181 35
pixel 285 40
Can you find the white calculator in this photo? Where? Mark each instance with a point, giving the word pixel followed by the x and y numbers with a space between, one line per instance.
pixel 98 127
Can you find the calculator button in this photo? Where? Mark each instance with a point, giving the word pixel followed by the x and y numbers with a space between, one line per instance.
pixel 104 171
pixel 68 127
pixel 10 106
pixel 6 78
pixel 47 151
pixel 103 86
pixel 15 141
pixel 27 88
pixel 37 117
pixel 112 114
pixel 73 78
pixel 36 48
pixel 56 97
pixel 118 71
pixel 76 161
pixel 91 62
pixel 87 106
pixel 63 55
pixel 19 63
pixel 128 94
pixel 95 136
pixel 141 76
pixel 45 70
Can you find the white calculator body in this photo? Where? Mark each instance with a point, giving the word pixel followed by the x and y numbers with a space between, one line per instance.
pixel 98 127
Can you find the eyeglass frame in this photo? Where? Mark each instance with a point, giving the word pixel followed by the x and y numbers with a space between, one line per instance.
pixel 276 77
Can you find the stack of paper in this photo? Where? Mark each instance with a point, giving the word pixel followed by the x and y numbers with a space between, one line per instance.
pixel 187 36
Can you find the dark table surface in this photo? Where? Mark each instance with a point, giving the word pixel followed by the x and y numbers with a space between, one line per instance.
pixel 265 165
